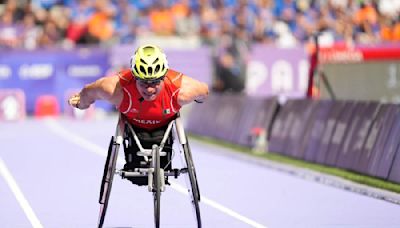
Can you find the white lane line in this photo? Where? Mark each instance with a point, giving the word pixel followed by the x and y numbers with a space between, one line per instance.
pixel 73 138
pixel 215 205
pixel 19 195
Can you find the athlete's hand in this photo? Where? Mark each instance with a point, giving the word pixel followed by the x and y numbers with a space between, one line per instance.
pixel 75 101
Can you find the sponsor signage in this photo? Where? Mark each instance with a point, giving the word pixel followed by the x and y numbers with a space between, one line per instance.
pixel 42 72
pixel 83 71
pixel 5 71
pixel 358 54
pixel 39 71
pixel 272 71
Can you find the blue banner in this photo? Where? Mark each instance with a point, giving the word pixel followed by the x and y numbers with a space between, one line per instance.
pixel 51 72
pixel 271 71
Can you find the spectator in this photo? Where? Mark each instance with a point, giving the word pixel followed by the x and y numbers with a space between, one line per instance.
pixel 59 15
pixel 284 37
pixel 32 32
pixel 366 23
pixel 343 27
pixel 80 14
pixel 10 33
pixel 100 24
pixel 45 4
pixel 126 21
pixel 187 23
pixel 231 61
pixel 307 20
pixel 209 23
pixel 282 22
pixel 286 12
pixel 263 28
pixel 390 30
pixel 51 35
pixel 162 19
pixel 16 11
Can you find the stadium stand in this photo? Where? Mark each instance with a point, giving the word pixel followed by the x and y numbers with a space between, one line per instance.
pixel 39 23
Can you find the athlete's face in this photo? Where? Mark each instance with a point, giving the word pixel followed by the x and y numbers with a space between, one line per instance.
pixel 149 91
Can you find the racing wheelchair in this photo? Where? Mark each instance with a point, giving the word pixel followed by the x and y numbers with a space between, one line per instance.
pixel 151 169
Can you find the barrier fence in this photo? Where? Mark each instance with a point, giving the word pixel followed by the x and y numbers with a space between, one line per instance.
pixel 354 135
pixel 55 72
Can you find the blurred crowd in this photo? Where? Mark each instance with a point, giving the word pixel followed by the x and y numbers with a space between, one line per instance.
pixel 42 23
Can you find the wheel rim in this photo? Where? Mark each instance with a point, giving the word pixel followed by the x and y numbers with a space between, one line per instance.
pixel 107 180
pixel 156 188
pixel 195 196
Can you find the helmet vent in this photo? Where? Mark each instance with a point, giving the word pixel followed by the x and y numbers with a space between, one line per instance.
pixel 150 70
pixel 142 70
pixel 148 50
pixel 141 60
pixel 157 68
pixel 155 61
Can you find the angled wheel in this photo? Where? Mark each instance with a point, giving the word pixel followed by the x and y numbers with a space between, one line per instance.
pixel 156 185
pixel 194 188
pixel 190 158
pixel 106 183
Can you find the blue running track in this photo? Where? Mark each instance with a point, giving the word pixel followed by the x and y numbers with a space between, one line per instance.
pixel 50 173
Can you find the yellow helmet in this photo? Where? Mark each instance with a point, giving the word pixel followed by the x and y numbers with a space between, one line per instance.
pixel 149 63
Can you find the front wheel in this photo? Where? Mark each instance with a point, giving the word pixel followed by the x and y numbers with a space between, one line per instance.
pixel 156 186
pixel 106 183
pixel 194 191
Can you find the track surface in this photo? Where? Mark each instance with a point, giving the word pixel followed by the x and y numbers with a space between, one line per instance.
pixel 50 173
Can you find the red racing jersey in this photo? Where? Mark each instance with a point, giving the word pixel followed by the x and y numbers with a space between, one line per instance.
pixel 150 114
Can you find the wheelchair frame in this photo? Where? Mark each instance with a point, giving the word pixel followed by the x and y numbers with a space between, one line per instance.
pixel 155 174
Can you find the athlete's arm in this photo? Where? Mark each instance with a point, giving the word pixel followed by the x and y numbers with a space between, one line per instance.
pixel 106 88
pixel 191 90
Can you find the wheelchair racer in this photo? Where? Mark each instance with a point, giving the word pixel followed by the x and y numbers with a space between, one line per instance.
pixel 149 94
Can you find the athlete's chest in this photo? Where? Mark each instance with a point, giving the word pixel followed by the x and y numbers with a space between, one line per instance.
pixel 158 109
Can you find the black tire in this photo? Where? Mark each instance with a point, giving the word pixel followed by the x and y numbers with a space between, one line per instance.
pixel 190 158
pixel 108 176
pixel 195 194
pixel 156 187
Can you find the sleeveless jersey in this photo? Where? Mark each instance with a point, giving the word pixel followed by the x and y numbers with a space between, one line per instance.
pixel 150 114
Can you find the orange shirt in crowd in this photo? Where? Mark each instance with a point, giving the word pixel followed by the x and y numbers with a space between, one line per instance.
pixel 100 26
pixel 396 32
pixel 390 33
pixel 368 13
pixel 180 10
pixel 162 21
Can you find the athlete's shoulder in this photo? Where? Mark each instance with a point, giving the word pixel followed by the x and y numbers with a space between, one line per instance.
pixel 174 76
pixel 125 75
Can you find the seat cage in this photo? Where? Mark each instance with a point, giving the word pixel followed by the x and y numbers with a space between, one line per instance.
pixel 148 154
